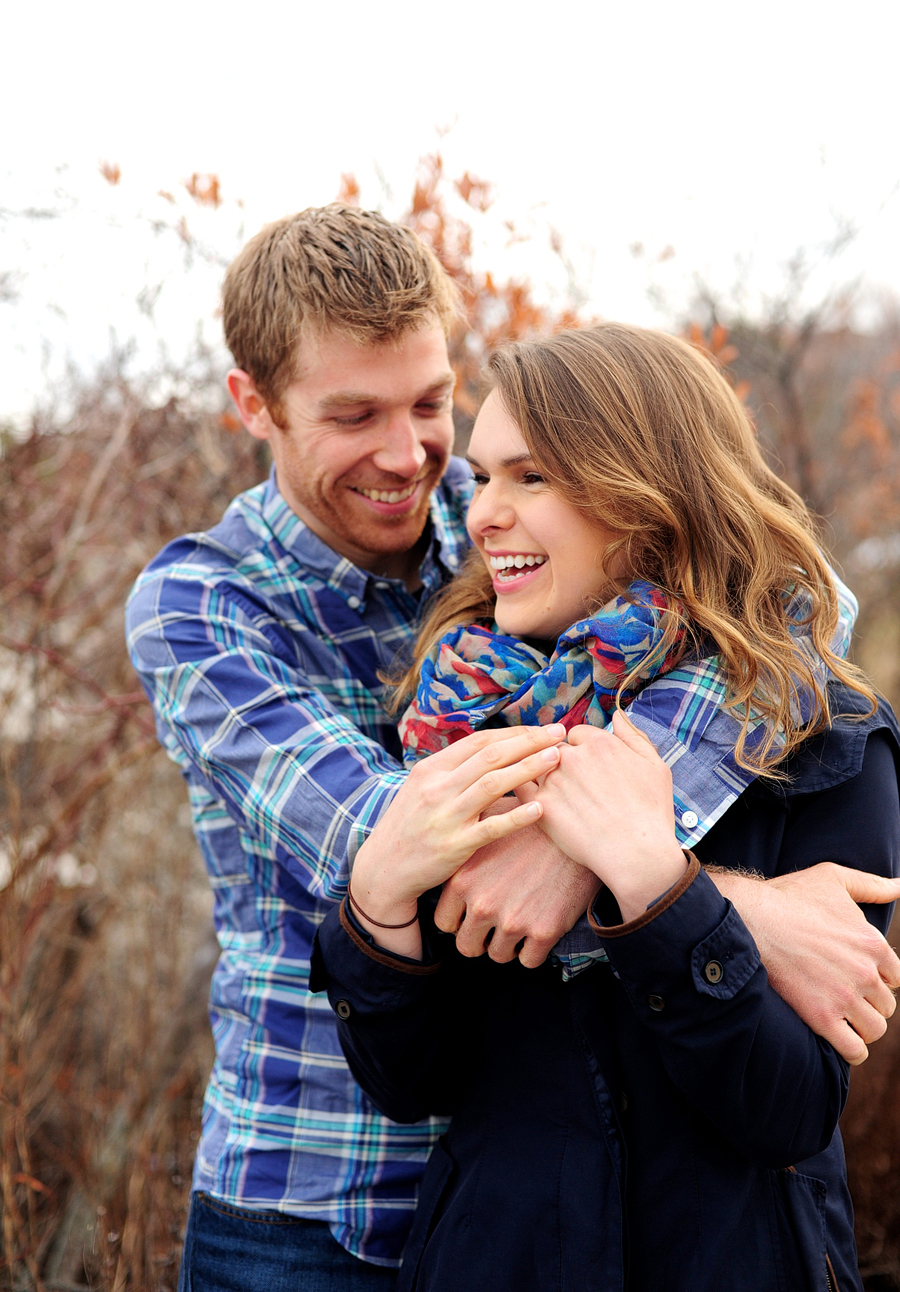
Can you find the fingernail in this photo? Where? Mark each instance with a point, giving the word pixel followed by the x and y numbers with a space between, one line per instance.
pixel 549 755
pixel 555 729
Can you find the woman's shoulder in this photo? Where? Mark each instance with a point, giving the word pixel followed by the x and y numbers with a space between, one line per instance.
pixel 836 755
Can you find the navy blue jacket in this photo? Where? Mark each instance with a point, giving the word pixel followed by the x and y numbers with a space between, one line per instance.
pixel 662 1122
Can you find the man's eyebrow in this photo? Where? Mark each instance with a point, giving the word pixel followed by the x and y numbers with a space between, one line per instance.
pixel 350 398
pixel 505 462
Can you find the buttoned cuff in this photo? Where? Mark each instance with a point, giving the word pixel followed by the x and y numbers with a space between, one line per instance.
pixel 691 952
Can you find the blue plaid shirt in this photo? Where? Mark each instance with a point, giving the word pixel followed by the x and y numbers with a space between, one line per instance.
pixel 260 650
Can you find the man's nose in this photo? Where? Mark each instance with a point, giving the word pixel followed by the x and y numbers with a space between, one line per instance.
pixel 402 452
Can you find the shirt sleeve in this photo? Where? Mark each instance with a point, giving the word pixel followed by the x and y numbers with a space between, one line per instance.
pixel 236 710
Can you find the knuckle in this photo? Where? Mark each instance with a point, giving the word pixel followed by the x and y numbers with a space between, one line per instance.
pixel 544 933
pixel 509 929
pixel 490 783
pixel 872 941
pixel 877 1030
pixel 501 953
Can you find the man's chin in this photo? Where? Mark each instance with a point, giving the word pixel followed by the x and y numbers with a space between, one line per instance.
pixel 382 534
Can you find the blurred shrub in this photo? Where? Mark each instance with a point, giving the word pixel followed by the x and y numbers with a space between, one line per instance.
pixel 106 942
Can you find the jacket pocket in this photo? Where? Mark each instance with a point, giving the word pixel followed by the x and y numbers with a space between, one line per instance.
pixel 435 1182
pixel 801 1236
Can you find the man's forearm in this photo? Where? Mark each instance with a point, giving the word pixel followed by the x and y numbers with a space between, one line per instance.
pixel 821 954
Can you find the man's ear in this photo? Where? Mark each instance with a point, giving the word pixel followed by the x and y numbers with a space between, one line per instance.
pixel 250 404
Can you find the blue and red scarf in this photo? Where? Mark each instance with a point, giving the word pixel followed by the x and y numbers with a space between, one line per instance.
pixel 476 677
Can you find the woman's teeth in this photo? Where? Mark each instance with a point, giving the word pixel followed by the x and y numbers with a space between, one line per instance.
pixel 507 562
pixel 393 495
pixel 507 567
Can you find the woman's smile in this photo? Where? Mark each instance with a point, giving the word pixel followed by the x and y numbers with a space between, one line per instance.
pixel 514 570
pixel 545 557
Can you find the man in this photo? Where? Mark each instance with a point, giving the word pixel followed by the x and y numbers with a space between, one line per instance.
pixel 262 645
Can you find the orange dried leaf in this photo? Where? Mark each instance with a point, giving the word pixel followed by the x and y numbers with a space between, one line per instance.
pixel 204 189
pixel 111 172
pixel 348 190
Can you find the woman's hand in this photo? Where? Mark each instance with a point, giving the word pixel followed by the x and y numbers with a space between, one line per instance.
pixel 433 824
pixel 608 805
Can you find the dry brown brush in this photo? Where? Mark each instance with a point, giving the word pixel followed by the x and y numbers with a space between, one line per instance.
pixel 105 934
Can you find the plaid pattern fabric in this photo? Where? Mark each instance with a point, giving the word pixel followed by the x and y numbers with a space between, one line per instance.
pixel 260 650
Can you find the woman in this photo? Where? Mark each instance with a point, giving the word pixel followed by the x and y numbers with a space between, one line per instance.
pixel 662 1120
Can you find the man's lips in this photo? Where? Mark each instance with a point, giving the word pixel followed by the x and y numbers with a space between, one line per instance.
pixel 391 501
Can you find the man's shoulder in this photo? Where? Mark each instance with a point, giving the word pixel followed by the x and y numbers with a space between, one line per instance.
pixel 233 553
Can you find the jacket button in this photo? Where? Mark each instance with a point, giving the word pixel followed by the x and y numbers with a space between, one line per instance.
pixel 342 1009
pixel 713 971
pixel 623 1103
pixel 656 1003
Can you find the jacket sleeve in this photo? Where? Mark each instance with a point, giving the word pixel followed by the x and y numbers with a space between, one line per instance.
pixel 235 709
pixel 398 1022
pixel 693 976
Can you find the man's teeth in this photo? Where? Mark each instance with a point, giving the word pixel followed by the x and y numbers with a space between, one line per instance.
pixel 393 495
pixel 515 562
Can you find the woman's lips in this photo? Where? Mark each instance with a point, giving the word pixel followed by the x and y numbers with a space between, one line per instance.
pixel 513 579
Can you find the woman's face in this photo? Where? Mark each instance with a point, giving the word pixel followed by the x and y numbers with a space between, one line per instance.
pixel 545 557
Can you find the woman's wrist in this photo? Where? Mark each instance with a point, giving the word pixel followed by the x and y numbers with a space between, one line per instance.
pixel 380 886
pixel 382 911
pixel 644 881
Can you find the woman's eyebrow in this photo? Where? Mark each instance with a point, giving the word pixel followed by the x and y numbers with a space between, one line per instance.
pixel 504 462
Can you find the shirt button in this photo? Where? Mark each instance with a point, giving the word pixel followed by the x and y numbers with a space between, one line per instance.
pixel 342 1009
pixel 713 971
pixel 354 603
pixel 656 1003
pixel 689 820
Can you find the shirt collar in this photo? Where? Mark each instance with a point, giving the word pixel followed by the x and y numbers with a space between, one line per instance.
pixel 441 558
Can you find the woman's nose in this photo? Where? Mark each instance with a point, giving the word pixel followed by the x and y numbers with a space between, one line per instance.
pixel 489 510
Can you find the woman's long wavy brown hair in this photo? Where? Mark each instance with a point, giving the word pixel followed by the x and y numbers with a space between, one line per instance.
pixel 641 432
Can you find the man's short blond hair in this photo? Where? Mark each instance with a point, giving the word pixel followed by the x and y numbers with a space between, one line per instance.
pixel 329 268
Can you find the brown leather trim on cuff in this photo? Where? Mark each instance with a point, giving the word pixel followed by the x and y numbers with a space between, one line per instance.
pixel 621 930
pixel 382 957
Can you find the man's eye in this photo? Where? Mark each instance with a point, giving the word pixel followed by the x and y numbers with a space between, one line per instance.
pixel 480 478
pixel 532 477
pixel 356 420
pixel 433 406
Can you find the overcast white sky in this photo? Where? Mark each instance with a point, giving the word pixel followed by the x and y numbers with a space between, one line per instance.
pixel 734 134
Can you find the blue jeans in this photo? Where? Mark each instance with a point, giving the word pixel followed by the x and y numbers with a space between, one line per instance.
pixel 232 1249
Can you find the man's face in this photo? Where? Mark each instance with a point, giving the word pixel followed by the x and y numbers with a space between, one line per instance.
pixel 367 433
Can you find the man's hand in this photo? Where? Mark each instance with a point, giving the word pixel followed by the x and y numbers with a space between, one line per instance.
pixel 822 956
pixel 522 887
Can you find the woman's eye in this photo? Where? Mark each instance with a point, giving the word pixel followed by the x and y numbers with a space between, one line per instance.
pixel 532 477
